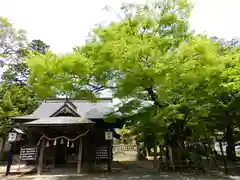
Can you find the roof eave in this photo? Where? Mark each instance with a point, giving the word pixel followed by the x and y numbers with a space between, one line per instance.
pixel 47 125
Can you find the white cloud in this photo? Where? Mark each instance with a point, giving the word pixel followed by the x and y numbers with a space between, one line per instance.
pixel 65 23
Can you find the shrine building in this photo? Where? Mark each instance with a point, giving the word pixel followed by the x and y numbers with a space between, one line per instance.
pixel 68 133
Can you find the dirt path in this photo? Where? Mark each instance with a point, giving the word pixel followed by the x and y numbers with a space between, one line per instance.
pixel 133 172
pixel 132 176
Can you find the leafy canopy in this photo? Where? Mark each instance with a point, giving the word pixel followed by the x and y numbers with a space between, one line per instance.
pixel 17 97
pixel 150 55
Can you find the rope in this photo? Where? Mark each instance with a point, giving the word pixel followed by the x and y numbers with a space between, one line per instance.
pixel 62 137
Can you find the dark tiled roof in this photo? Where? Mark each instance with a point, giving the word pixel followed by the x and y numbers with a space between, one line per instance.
pixel 84 108
pixel 60 120
pixel 46 109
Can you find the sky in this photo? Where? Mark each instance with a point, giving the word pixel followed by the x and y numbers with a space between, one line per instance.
pixel 64 24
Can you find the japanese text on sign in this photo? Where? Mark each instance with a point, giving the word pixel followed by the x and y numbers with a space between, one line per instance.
pixel 28 153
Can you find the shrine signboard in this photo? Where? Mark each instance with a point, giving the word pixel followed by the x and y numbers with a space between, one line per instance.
pixel 108 135
pixel 102 153
pixel 28 153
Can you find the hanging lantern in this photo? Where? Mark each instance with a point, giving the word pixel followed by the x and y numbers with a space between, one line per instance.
pixel 72 146
pixel 62 142
pixel 47 145
pixel 68 143
pixel 55 142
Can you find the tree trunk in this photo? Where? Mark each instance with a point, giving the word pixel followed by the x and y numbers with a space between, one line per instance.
pixel 180 160
pixel 206 152
pixel 171 157
pixel 155 157
pixel 3 144
pixel 224 159
pixel 161 157
pixel 214 156
pixel 167 156
pixel 176 157
pixel 231 153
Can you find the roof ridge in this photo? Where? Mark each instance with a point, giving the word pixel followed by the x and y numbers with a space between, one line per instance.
pixel 71 104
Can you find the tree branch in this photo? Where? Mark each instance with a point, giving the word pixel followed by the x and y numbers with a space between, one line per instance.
pixel 153 96
pixel 101 87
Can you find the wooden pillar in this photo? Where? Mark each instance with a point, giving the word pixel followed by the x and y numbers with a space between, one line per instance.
pixel 155 156
pixel 10 158
pixel 80 149
pixel 41 156
pixel 110 156
pixel 161 156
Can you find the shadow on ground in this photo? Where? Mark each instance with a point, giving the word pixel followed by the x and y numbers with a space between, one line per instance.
pixel 132 176
pixel 126 171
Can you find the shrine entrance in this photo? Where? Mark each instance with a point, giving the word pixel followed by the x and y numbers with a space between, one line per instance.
pixel 60 154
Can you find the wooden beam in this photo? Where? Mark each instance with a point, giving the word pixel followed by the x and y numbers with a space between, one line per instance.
pixel 80 149
pixel 110 155
pixel 41 156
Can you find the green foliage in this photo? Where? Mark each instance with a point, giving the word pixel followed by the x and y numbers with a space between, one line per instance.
pixel 17 97
pixel 37 46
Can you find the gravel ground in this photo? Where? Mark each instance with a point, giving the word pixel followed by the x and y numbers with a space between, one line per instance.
pixel 130 176
pixel 132 173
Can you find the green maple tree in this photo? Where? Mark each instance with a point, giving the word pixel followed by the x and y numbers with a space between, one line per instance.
pixel 17 97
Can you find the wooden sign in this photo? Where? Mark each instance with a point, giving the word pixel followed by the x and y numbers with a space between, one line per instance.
pixel 108 135
pixel 102 153
pixel 28 153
